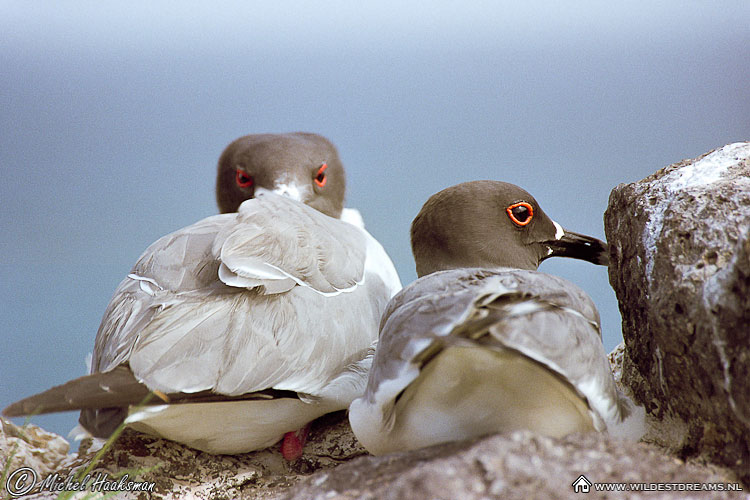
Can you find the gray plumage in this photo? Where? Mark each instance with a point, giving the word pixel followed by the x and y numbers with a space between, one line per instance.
pixel 278 296
pixel 482 342
pixel 181 331
pixel 245 326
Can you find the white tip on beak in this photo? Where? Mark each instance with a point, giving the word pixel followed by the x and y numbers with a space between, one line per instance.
pixel 559 230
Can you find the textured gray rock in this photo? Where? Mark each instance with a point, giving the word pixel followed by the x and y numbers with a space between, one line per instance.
pixel 334 466
pixel 31 446
pixel 680 265
pixel 179 472
pixel 521 465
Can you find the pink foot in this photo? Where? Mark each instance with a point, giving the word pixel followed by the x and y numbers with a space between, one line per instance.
pixel 291 445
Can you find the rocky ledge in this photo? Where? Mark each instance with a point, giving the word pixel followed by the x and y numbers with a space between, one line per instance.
pixel 520 465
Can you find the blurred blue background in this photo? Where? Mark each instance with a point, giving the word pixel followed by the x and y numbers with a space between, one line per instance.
pixel 114 115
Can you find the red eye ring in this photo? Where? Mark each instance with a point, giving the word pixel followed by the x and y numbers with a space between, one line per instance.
pixel 244 180
pixel 513 213
pixel 320 177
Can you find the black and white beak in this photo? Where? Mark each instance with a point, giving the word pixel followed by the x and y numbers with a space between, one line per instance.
pixel 577 246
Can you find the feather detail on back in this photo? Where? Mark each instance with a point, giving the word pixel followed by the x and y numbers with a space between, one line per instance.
pixel 182 326
pixel 544 318
pixel 299 247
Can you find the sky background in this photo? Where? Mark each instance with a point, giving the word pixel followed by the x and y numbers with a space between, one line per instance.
pixel 113 117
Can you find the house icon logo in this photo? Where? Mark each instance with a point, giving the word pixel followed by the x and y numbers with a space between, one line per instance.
pixel 581 485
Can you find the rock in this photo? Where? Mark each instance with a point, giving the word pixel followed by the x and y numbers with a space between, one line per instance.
pixel 31 446
pixel 520 465
pixel 180 472
pixel 680 266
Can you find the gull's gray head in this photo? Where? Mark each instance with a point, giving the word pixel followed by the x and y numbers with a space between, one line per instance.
pixel 300 165
pixel 492 224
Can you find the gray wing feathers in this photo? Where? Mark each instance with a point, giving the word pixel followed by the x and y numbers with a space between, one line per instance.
pixel 422 312
pixel 563 340
pixel 179 262
pixel 184 260
pixel 182 329
pixel 544 317
pixel 278 239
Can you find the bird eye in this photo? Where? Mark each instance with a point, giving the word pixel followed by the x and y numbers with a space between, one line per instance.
pixel 321 177
pixel 243 179
pixel 520 213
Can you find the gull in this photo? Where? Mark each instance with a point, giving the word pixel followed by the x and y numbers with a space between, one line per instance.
pixel 246 325
pixel 482 342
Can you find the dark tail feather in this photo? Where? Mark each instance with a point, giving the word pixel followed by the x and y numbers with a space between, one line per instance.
pixel 115 388
pixel 104 399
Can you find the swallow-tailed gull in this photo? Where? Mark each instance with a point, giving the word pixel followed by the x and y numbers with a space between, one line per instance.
pixel 482 342
pixel 246 325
